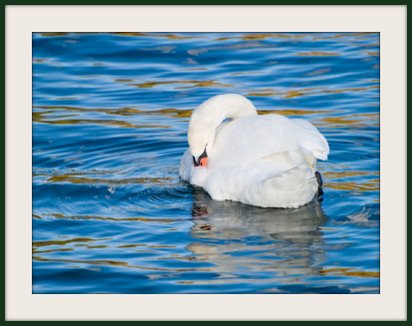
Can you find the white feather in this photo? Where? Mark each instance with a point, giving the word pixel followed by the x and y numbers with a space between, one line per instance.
pixel 262 160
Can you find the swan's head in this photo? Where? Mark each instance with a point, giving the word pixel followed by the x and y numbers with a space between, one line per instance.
pixel 208 116
pixel 201 141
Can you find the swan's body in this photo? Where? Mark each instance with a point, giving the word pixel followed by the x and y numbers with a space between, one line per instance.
pixel 262 160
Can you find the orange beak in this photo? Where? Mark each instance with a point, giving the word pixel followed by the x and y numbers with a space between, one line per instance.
pixel 203 161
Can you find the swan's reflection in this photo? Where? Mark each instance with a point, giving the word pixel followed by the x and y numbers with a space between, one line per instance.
pixel 233 237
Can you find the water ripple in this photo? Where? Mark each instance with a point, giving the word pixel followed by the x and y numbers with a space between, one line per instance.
pixel 110 117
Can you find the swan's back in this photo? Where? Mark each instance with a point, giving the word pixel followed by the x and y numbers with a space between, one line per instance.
pixel 260 137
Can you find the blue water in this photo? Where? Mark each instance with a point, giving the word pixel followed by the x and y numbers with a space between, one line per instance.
pixel 110 116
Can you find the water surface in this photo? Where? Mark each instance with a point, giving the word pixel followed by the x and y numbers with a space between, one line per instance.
pixel 110 116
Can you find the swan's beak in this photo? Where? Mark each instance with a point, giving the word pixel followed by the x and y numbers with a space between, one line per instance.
pixel 203 161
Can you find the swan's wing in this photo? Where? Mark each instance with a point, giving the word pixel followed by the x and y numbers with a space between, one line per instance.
pixel 248 139
pixel 254 138
pixel 309 138
pixel 265 161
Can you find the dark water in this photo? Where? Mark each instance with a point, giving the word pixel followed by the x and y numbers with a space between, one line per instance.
pixel 110 114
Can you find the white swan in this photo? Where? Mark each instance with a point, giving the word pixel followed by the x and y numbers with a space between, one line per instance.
pixel 262 160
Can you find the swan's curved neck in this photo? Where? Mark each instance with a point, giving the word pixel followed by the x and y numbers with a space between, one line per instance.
pixel 210 114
